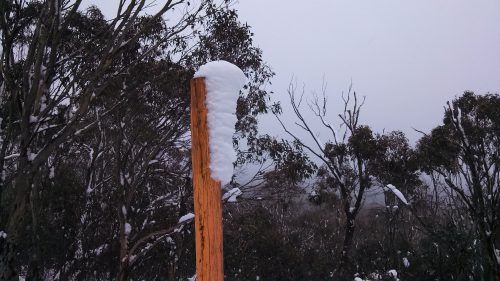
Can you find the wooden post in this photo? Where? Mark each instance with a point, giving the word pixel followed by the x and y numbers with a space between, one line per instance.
pixel 207 193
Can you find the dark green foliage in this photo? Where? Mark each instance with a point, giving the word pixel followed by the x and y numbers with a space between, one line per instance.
pixel 105 105
pixel 95 171
pixel 437 149
pixel 276 243
pixel 290 159
pixel 462 156
pixel 362 143
pixel 226 38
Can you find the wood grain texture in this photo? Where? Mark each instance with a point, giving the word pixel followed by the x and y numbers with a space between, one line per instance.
pixel 207 193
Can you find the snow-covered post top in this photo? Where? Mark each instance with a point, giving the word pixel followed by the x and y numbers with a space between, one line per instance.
pixel 223 81
pixel 214 92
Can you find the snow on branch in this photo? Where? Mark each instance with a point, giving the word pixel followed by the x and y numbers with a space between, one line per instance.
pixel 8 157
pixel 232 195
pixel 398 193
pixel 186 217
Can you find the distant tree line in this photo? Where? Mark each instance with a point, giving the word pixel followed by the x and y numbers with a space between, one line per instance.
pixel 95 161
pixel 444 227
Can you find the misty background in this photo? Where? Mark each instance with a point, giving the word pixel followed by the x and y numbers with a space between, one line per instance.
pixel 406 58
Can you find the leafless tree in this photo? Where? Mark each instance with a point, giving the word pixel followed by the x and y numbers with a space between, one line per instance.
pixel 344 156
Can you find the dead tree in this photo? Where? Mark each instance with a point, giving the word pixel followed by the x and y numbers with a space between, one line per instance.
pixel 344 156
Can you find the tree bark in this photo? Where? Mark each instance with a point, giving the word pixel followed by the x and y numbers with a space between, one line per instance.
pixel 7 255
pixel 492 270
pixel 123 274
pixel 345 260
pixel 14 221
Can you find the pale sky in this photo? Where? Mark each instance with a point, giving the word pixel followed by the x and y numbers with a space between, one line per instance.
pixel 407 57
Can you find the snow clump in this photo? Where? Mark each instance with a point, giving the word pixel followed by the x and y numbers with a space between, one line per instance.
pixel 393 273
pixel 398 193
pixel 223 82
pixel 406 262
pixel 232 195
pixel 186 217
pixel 128 229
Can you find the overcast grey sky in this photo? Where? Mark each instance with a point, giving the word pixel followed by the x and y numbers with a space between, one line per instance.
pixel 407 57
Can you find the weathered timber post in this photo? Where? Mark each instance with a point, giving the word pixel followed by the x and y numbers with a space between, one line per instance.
pixel 207 192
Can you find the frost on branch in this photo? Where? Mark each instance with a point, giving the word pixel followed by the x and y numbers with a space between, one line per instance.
pixel 223 82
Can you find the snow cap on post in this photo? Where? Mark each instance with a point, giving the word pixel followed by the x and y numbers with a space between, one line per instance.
pixel 223 81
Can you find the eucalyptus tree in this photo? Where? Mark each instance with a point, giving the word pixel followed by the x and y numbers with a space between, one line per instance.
pixel 86 101
pixel 463 157
pixel 344 156
pixel 56 61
